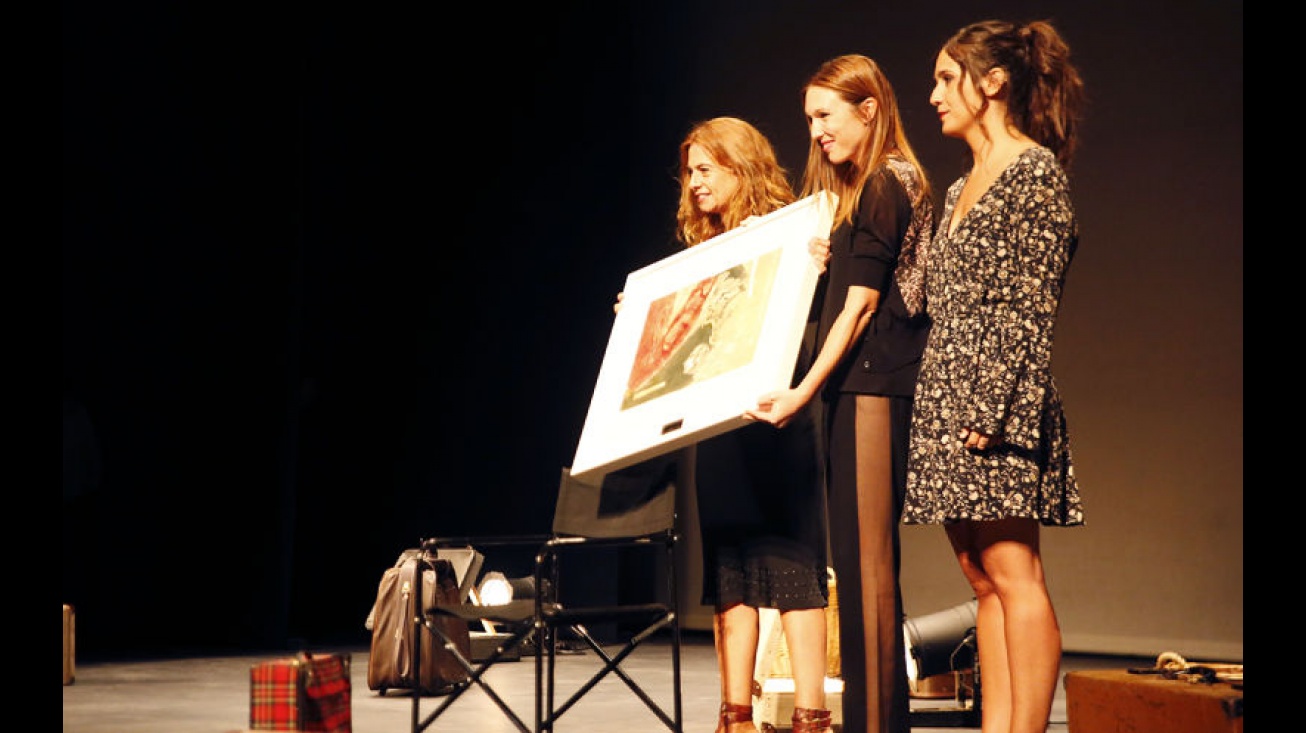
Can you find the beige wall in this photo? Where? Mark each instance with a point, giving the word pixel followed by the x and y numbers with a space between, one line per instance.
pixel 1154 403
pixel 1149 344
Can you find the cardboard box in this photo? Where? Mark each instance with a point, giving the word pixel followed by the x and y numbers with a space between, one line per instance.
pixel 773 710
pixel 1117 701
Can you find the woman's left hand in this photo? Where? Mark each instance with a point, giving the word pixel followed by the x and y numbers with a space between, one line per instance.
pixel 975 440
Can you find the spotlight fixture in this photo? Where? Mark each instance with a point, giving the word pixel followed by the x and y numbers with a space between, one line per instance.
pixel 939 643
pixel 496 589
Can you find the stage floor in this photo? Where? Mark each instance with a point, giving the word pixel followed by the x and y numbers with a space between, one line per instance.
pixel 210 694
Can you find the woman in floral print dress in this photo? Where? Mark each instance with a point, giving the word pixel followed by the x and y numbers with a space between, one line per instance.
pixel 990 453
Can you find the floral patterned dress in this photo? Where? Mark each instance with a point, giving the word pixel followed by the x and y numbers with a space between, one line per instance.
pixel 993 288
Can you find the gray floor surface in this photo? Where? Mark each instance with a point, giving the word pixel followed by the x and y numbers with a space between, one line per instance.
pixel 210 694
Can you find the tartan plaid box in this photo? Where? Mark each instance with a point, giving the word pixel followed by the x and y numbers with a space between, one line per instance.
pixel 304 692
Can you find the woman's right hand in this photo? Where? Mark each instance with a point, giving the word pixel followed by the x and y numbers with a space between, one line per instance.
pixel 777 408
pixel 616 307
pixel 819 248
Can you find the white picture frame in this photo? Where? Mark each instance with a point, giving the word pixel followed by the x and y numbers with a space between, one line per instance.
pixel 702 334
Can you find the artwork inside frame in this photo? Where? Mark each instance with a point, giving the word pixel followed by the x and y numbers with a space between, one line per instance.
pixel 700 336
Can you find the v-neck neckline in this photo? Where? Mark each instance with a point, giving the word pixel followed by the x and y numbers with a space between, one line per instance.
pixel 956 216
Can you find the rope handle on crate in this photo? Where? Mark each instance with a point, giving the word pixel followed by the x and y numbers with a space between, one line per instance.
pixel 1172 666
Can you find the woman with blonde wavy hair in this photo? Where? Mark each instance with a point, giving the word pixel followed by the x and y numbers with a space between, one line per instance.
pixel 746 155
pixel 761 495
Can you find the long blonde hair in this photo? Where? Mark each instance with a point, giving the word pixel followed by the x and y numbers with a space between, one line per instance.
pixel 855 78
pixel 743 150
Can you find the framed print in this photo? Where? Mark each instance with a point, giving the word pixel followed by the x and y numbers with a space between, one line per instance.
pixel 700 336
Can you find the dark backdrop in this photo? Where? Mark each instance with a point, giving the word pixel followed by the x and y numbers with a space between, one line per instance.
pixel 338 279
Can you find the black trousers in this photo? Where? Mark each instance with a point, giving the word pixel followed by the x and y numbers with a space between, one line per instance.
pixel 867 483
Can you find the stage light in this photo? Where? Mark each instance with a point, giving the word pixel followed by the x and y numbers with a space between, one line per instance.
pixel 497 589
pixel 944 643
pixel 494 589
pixel 941 642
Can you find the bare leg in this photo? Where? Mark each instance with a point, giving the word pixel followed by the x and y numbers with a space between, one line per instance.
pixel 805 635
pixel 995 677
pixel 1017 632
pixel 736 631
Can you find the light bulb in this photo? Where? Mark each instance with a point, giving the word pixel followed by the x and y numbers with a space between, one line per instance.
pixel 495 589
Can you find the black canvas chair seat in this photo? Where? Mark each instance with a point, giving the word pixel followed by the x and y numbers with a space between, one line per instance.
pixel 631 508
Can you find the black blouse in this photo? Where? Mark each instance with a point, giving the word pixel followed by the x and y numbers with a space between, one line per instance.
pixel 886 359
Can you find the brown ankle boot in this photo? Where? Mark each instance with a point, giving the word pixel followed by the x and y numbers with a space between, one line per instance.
pixel 811 720
pixel 731 713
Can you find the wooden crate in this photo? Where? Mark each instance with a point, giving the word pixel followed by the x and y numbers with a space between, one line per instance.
pixel 1117 701
pixel 69 645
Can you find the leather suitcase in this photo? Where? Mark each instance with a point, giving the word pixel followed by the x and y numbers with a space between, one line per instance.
pixel 1117 701
pixel 69 645
pixel 309 692
pixel 394 637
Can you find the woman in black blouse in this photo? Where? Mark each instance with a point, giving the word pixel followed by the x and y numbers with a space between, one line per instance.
pixel 872 331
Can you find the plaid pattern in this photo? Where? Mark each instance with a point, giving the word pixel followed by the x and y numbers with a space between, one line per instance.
pixel 306 692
